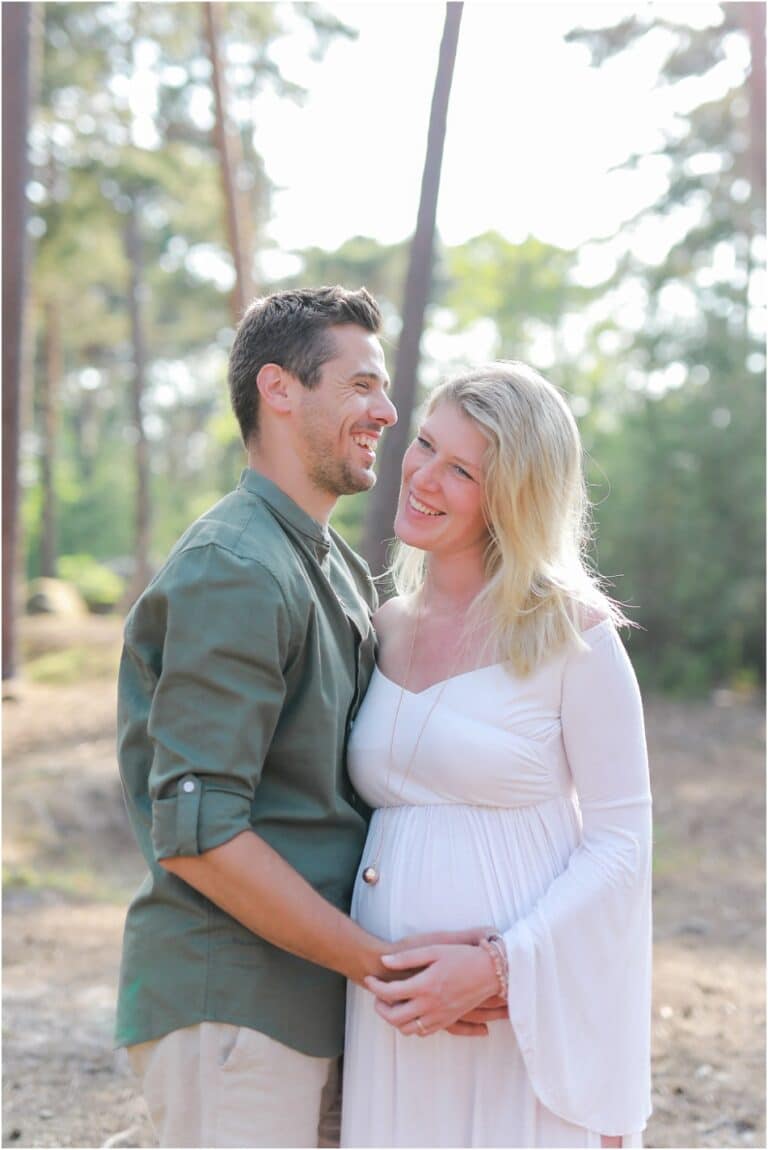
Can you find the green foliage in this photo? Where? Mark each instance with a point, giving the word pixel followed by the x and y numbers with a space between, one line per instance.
pixel 684 521
pixel 684 525
pixel 101 588
pixel 671 406
pixel 348 517
pixel 515 284
pixel 94 157
pixel 359 262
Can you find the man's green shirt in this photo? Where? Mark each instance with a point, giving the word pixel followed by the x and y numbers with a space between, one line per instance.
pixel 244 664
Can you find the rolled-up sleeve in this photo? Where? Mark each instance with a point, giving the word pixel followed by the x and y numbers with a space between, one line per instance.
pixel 218 697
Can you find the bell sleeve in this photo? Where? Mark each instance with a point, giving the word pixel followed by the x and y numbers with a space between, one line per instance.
pixel 580 960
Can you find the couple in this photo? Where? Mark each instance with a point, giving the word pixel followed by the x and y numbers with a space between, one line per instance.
pixel 496 958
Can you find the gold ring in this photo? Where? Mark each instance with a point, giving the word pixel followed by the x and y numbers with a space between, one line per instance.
pixel 420 1028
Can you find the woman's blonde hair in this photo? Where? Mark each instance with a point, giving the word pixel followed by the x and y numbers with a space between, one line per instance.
pixel 539 591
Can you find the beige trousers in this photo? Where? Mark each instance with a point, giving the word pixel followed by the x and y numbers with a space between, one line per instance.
pixel 219 1085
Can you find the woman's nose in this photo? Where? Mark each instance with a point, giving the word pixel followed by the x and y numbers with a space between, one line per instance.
pixel 427 475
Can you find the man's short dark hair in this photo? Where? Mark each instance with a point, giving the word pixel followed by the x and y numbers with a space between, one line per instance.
pixel 291 329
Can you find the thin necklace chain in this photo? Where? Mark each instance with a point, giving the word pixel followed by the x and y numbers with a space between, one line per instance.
pixel 371 872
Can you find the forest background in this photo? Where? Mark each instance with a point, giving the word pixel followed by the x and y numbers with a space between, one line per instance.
pixel 141 264
pixel 147 221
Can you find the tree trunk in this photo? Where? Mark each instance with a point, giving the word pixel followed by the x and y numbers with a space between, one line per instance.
pixel 755 15
pixel 228 146
pixel 16 43
pixel 383 502
pixel 142 514
pixel 49 412
pixel 86 426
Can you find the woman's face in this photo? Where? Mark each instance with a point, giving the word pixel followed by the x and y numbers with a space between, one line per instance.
pixel 440 508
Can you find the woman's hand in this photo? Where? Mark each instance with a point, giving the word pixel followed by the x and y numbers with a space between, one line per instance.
pixel 473 1024
pixel 454 982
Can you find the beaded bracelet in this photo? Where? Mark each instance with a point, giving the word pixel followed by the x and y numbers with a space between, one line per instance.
pixel 493 944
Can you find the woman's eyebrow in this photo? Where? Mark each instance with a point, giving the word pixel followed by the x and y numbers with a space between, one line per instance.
pixel 465 462
pixel 425 433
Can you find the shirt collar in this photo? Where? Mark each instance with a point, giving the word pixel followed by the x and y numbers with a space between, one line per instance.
pixel 287 511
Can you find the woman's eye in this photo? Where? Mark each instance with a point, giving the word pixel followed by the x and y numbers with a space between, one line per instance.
pixel 422 442
pixel 461 471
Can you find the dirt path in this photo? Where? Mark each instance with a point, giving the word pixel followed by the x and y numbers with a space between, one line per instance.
pixel 70 867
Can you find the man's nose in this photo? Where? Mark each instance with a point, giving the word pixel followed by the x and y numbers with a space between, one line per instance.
pixel 384 411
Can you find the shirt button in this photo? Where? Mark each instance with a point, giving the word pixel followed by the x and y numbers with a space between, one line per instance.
pixel 188 786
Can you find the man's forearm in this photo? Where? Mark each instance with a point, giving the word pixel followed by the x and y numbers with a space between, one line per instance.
pixel 255 885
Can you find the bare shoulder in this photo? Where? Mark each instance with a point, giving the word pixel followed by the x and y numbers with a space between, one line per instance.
pixel 393 622
pixel 392 614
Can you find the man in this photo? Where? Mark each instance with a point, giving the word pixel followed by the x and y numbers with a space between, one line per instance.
pixel 244 663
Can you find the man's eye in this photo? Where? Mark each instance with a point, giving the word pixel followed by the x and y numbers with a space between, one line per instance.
pixel 362 385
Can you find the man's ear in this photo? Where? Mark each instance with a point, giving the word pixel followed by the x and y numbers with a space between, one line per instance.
pixel 274 384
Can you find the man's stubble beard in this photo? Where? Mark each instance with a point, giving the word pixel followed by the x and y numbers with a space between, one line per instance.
pixel 336 477
pixel 325 470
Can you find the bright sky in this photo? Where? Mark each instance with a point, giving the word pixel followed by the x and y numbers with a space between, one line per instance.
pixel 532 129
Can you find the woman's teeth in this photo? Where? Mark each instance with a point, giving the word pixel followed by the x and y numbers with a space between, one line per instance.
pixel 422 508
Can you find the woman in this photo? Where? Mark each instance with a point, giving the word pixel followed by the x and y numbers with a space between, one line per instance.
pixel 501 743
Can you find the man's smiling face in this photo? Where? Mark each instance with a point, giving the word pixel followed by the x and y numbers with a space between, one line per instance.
pixel 341 419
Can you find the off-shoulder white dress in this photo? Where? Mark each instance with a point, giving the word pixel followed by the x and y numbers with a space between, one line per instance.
pixel 526 806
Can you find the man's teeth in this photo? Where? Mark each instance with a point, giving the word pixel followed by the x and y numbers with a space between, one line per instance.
pixel 422 507
pixel 368 441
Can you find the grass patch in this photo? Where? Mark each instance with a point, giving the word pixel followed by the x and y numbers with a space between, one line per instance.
pixel 673 856
pixel 72 665
pixel 79 884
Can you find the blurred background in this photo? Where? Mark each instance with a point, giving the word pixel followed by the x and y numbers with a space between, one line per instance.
pixel 581 186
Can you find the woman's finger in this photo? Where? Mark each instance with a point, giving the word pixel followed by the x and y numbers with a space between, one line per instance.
pixel 401 1014
pixel 411 1030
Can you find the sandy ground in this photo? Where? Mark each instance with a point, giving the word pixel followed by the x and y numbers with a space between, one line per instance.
pixel 70 867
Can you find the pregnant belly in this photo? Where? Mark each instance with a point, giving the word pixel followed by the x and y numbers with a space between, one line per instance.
pixel 449 867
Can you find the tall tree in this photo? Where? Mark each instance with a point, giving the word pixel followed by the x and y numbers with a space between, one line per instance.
pixel 685 520
pixel 418 284
pixel 16 46
pixel 136 294
pixel 230 164
pixel 753 19
pixel 50 390
pixel 106 145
